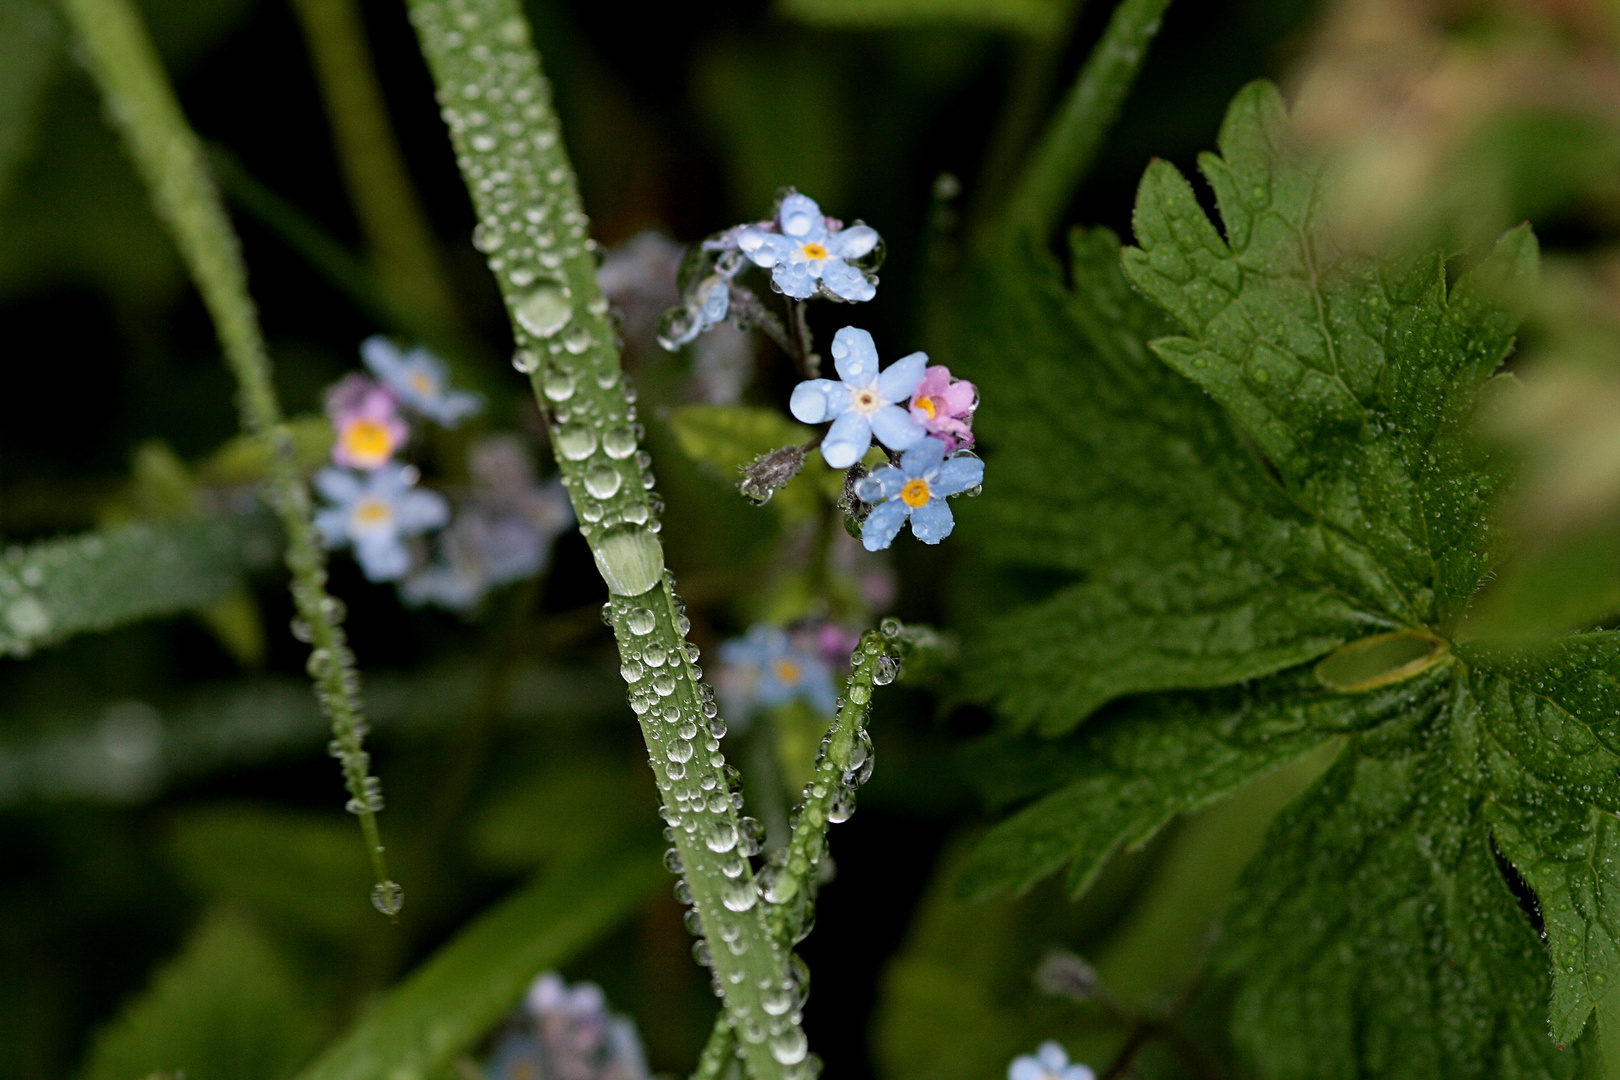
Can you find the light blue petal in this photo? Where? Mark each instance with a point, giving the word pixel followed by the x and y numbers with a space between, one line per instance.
pixel 926 455
pixel 855 356
pixel 801 219
pixel 383 559
pixel 883 483
pixel 853 242
pixel 1053 1056
pixel 1078 1072
pixel 419 511
pixel 955 475
pixel 382 357
pixel 333 525
pixel 451 407
pixel 846 282
pixel 1025 1067
pixel 847 440
pixel 900 381
pixel 932 521
pixel 895 428
pixel 818 400
pixel 390 481
pixel 794 280
pixel 338 485
pixel 716 301
pixel 765 248
pixel 818 690
pixel 883 525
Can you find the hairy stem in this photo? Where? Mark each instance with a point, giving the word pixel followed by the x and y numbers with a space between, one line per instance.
pixel 170 159
pixel 497 105
pixel 1070 145
pixel 390 215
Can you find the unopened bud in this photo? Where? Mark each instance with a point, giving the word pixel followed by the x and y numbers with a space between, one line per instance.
pixel 771 472
pixel 1063 974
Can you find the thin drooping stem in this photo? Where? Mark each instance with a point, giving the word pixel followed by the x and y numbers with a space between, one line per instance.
pixel 1065 153
pixel 170 158
pixel 497 105
pixel 390 214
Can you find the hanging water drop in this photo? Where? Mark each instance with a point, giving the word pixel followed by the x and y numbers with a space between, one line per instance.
pixel 885 670
pixel 738 895
pixel 544 311
pixel 387 897
pixel 790 1046
pixel 526 361
pixel 722 838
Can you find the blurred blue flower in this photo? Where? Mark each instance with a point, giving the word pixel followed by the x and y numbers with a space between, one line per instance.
pixel 502 532
pixel 767 668
pixel 567 1033
pixel 420 380
pixel 375 512
pixel 1049 1062
pixel 809 250
pixel 863 404
pixel 916 489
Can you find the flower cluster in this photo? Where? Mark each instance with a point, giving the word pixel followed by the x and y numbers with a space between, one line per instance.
pixel 567 1033
pixel 920 414
pixel 769 667
pixel 1049 1062
pixel 504 528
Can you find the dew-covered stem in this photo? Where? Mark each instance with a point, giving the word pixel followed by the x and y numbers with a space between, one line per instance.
pixel 1065 152
pixel 170 158
pixel 497 105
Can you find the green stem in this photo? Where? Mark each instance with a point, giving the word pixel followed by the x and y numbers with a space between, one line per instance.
pixel 497 105
pixel 391 218
pixel 170 158
pixel 1071 142
pixel 790 889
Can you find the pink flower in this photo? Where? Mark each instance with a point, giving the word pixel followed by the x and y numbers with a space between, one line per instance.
pixel 944 406
pixel 369 427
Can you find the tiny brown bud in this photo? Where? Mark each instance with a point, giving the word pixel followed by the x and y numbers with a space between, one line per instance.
pixel 771 472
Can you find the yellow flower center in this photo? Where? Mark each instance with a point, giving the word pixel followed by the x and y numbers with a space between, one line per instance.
pixel 372 512
pixel 915 493
pixel 787 672
pixel 424 384
pixel 814 251
pixel 926 405
pixel 368 442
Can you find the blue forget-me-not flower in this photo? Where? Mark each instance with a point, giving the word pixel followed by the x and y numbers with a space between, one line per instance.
pixel 916 489
pixel 567 1033
pixel 864 402
pixel 420 380
pixel 375 512
pixel 1049 1062
pixel 766 668
pixel 807 253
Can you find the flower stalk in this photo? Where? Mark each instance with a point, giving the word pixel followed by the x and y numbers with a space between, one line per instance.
pixel 171 160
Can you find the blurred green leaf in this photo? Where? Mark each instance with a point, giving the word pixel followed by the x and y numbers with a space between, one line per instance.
pixel 53 590
pixel 225 1009
pixel 779 113
pixel 293 868
pixel 729 437
pixel 574 808
pixel 454 998
pixel 1033 18
pixel 29 54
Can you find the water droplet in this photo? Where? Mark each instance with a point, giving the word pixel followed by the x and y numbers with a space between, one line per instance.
pixel 640 620
pixel 884 671
pixel 722 838
pixel 558 384
pixel 603 480
pixel 654 655
pixel 526 361
pixel 629 558
pixel 544 311
pixel 790 1046
pixel 578 338
pixel 680 750
pixel 631 670
pixel 700 953
pixel 619 441
pixel 860 693
pixel 575 443
pixel 694 922
pixel 27 617
pixel 663 684
pixel 891 627
pixel 672 861
pixel 387 897
pixel 738 895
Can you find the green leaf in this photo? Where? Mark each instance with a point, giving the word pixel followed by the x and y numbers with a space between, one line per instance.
pixel 56 589
pixel 453 999
pixel 1033 18
pixel 225 1009
pixel 727 438
pixel 29 53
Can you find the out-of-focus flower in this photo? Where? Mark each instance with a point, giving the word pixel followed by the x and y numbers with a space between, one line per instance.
pixel 767 668
pixel 916 489
pixel 376 512
pixel 365 416
pixel 1049 1062
pixel 863 403
pixel 567 1033
pixel 805 250
pixel 828 640
pixel 420 380
pixel 944 407
pixel 502 532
